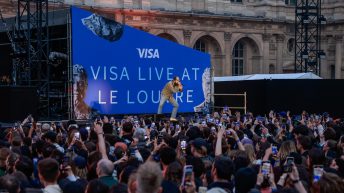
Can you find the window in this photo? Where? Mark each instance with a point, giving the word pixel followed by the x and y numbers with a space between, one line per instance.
pixel 290 2
pixel 236 1
pixel 238 59
pixel 291 45
pixel 271 69
pixel 200 45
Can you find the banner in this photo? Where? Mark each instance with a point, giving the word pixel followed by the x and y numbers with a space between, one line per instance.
pixel 121 70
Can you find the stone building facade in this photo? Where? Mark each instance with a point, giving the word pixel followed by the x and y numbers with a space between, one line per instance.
pixel 242 36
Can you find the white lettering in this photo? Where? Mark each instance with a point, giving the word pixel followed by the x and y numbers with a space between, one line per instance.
pixel 186 74
pixel 148 53
pixel 140 78
pixel 189 96
pixel 141 52
pixel 99 97
pixel 156 53
pixel 169 74
pixel 145 97
pixel 95 76
pixel 128 98
pixel 158 100
pixel 195 69
pixel 157 73
pixel 179 96
pixel 113 73
pixel 124 73
pixel 112 96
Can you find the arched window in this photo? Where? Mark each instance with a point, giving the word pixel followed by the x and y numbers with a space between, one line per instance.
pixel 168 37
pixel 238 59
pixel 201 45
pixel 271 69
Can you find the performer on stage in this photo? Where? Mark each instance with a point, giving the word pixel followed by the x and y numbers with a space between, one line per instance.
pixel 170 88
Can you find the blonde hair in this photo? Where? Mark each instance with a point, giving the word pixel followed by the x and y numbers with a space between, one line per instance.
pixel 286 148
pixel 250 152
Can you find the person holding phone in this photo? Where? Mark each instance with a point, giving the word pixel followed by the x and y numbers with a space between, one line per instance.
pixel 292 177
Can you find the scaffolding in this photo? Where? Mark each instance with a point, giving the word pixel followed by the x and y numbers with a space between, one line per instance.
pixel 308 21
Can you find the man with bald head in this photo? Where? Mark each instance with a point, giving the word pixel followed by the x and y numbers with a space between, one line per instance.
pixel 104 171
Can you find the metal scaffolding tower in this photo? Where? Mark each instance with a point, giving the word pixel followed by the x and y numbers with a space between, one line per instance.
pixel 308 21
pixel 32 32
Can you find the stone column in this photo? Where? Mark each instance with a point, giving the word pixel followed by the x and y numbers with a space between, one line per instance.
pixel 187 35
pixel 325 71
pixel 266 53
pixel 338 66
pixel 279 60
pixel 227 68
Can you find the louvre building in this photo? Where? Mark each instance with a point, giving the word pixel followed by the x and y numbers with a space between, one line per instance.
pixel 242 36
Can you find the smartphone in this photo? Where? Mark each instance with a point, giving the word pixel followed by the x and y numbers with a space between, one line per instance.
pixel 318 171
pixel 88 128
pixel 177 126
pixel 159 138
pixel 77 135
pixel 228 132
pixel 183 144
pixel 213 130
pixel 187 174
pixel 265 167
pixel 288 167
pixel 66 161
pixel 274 150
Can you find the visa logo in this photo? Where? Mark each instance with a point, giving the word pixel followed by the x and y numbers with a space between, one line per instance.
pixel 148 53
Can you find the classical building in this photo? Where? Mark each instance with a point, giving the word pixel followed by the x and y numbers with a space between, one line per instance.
pixel 242 36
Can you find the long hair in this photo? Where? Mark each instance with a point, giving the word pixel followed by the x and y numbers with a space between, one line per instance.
pixel 286 148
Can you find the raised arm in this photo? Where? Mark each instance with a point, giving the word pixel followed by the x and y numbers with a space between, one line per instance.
pixel 98 128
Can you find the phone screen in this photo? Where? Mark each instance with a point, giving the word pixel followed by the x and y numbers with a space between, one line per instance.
pixel 187 174
pixel 288 167
pixel 183 144
pixel 318 171
pixel 77 135
pixel 265 168
pixel 274 150
pixel 66 160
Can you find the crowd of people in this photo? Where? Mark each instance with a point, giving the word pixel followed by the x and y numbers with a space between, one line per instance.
pixel 215 153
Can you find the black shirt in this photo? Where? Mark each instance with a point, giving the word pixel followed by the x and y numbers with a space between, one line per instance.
pixel 227 186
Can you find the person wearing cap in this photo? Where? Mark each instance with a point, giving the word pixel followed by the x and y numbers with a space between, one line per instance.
pixel 167 92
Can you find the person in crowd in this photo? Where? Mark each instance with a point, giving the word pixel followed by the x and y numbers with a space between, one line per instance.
pixel 104 171
pixel 149 178
pixel 96 186
pixel 48 172
pixel 4 153
pixel 228 152
pixel 10 183
pixel 221 172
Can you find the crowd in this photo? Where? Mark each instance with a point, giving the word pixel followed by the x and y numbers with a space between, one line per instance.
pixel 215 153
